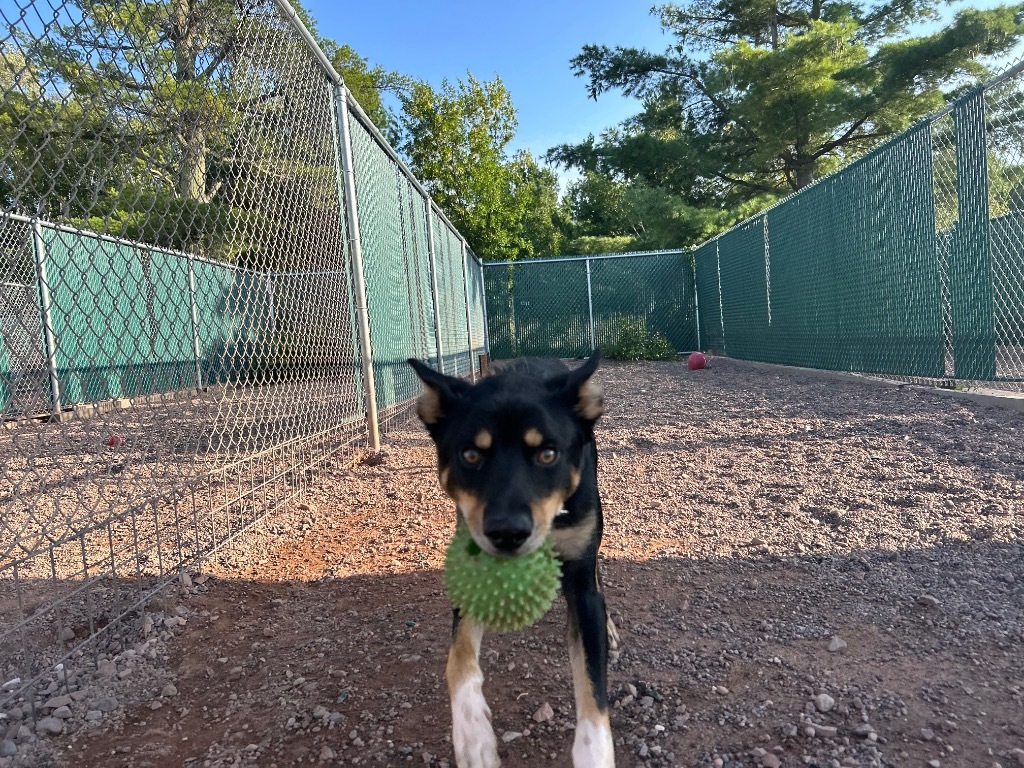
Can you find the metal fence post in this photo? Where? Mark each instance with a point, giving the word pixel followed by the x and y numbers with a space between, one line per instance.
pixel 696 298
pixel 39 250
pixel 469 311
pixel 193 311
pixel 590 307
pixel 483 306
pixel 358 276
pixel 434 295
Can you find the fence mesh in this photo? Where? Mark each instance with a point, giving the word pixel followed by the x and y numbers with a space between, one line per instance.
pixel 178 302
pixel 567 307
pixel 909 262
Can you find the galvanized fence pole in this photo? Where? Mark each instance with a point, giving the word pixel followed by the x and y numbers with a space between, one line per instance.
pixel 193 311
pixel 696 299
pixel 469 310
pixel 483 307
pixel 358 276
pixel 590 308
pixel 435 296
pixel 49 339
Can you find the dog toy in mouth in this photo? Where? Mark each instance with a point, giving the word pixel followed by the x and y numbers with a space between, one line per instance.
pixel 502 593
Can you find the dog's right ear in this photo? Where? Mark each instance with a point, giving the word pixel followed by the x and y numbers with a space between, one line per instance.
pixel 439 394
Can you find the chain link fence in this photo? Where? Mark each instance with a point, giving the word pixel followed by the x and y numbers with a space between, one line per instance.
pixel 909 263
pixel 212 270
pixel 567 307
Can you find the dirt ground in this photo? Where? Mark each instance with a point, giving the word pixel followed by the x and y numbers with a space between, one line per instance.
pixel 804 572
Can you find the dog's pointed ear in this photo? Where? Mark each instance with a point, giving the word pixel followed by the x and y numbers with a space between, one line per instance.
pixel 577 387
pixel 439 394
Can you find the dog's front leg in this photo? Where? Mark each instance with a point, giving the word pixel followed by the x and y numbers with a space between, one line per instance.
pixel 472 734
pixel 588 653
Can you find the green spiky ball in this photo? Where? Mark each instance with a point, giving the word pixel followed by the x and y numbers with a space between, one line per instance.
pixel 502 593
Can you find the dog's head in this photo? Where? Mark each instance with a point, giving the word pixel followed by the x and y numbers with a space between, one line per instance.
pixel 510 448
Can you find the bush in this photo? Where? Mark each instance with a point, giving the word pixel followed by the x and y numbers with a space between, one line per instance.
pixel 634 342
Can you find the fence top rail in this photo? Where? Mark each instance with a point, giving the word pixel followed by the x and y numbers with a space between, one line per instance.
pixel 596 256
pixel 90 234
pixel 332 74
pixel 920 124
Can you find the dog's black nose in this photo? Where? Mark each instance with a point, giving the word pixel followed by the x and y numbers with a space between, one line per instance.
pixel 507 535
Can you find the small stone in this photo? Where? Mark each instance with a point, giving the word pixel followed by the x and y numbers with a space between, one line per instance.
pixel 836 644
pixel 508 736
pixel 58 701
pixel 50 726
pixel 155 705
pixel 1019 754
pixel 721 690
pixel 824 703
pixel 147 624
pixel 169 690
pixel 935 763
pixel 186 580
pixel 106 704
pixel 64 713
pixel 106 668
pixel 927 734
pixel 327 754
pixel 8 748
pixel 927 601
pixel 771 761
pixel 543 714
pixel 93 715
pixel 67 634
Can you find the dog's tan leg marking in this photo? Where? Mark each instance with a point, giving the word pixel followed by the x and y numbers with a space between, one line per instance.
pixel 472 734
pixel 570 543
pixel 593 746
pixel 613 634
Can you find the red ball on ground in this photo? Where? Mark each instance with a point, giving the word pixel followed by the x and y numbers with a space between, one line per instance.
pixel 696 361
pixel 115 439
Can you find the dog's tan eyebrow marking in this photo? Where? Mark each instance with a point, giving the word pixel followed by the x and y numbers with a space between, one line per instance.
pixel 533 438
pixel 483 440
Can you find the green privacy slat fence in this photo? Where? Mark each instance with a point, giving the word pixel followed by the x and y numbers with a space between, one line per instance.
pixel 653 292
pixel 567 307
pixel 908 262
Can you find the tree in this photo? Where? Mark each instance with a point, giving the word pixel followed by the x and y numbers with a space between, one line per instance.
pixel 760 98
pixel 170 122
pixel 456 141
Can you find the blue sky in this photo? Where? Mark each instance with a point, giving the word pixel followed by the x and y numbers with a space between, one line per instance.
pixel 528 43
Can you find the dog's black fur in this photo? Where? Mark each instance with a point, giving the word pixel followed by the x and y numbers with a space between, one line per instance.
pixel 516 452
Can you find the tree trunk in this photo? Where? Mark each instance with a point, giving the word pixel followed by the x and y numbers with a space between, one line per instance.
pixel 804 173
pixel 191 177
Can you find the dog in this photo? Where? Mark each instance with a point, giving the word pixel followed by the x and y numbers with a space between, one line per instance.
pixel 516 453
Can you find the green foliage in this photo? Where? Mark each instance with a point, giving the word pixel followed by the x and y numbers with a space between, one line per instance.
pixel 752 101
pixel 457 142
pixel 634 342
pixel 592 245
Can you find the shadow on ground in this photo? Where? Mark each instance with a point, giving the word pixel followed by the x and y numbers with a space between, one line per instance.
pixel 724 657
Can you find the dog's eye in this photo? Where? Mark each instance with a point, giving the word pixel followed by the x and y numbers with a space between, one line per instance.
pixel 547 456
pixel 472 456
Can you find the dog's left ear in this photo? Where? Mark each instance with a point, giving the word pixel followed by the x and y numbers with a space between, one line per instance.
pixel 585 396
pixel 440 392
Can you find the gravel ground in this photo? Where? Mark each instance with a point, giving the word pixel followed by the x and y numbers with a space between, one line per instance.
pixel 803 571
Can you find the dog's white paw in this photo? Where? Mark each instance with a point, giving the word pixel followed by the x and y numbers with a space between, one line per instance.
pixel 593 746
pixel 472 734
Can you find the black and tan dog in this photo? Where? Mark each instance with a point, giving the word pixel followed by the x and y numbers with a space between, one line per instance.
pixel 516 453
